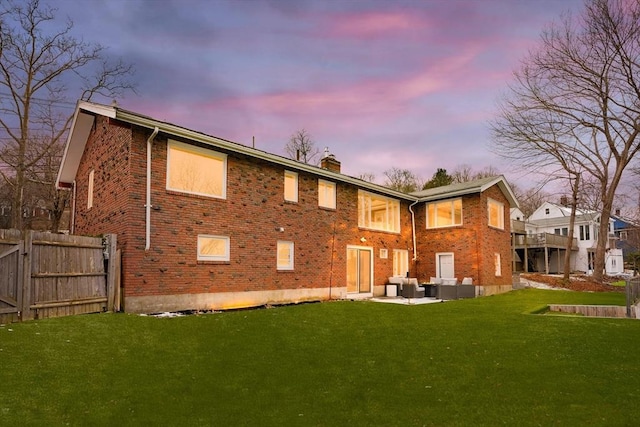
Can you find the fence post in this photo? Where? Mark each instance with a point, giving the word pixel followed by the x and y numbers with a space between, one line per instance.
pixel 627 289
pixel 26 276
pixel 110 254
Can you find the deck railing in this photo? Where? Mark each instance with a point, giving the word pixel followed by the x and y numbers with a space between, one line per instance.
pixel 544 239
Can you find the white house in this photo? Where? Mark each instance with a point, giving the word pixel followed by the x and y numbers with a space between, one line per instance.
pixel 550 220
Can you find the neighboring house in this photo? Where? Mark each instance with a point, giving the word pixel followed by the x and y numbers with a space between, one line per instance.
pixel 547 230
pixel 627 233
pixel 205 223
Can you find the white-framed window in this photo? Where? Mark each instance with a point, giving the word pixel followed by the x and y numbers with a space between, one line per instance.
pixel 196 170
pixel 285 255
pixel 400 262
pixel 326 194
pixel 290 186
pixel 564 231
pixel 378 213
pixel 446 213
pixel 623 235
pixel 498 264
pixel 213 248
pixel 90 190
pixel 585 232
pixel 384 254
pixel 496 214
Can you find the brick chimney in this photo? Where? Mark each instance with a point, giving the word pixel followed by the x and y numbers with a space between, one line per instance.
pixel 329 162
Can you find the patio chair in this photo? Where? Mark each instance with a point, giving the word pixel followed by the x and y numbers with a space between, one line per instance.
pixel 412 290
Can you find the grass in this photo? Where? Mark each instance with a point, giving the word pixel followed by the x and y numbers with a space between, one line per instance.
pixel 486 361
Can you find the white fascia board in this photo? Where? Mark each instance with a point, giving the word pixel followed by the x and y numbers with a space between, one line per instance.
pixel 77 139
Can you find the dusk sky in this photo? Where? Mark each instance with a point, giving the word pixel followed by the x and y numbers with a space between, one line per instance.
pixel 406 84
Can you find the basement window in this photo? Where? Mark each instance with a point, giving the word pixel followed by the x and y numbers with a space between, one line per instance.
pixel 213 248
pixel 285 255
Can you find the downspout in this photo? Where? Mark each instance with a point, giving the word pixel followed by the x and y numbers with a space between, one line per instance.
pixel 148 204
pixel 413 230
pixel 73 210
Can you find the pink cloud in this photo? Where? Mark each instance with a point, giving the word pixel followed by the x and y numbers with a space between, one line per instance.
pixel 371 24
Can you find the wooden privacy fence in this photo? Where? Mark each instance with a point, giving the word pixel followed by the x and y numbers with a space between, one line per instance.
pixel 52 275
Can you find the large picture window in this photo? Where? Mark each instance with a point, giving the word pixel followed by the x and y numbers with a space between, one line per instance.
pixel 446 213
pixel 378 212
pixel 326 194
pixel 213 248
pixel 196 170
pixel 496 214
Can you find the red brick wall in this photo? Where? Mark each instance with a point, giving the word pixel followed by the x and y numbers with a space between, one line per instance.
pixel 496 241
pixel 107 152
pixel 473 243
pixel 253 209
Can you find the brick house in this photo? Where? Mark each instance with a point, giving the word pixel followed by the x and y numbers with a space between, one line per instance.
pixel 205 223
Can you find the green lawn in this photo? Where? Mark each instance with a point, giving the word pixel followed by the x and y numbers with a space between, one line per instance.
pixel 485 361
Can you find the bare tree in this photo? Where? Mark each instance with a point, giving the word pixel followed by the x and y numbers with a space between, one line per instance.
pixel 401 180
pixel 37 59
pixel 529 199
pixel 302 148
pixel 465 173
pixel 367 176
pixel 574 107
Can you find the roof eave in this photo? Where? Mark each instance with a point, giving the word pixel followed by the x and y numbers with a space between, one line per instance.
pixel 83 118
pixel 168 128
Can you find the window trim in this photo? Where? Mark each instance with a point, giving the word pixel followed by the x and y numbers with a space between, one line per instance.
pixel 585 232
pixel 291 265
pixel 500 207
pixel 90 188
pixel 400 255
pixel 453 212
pixel 333 201
pixel 199 151
pixel 293 175
pixel 226 257
pixel 497 261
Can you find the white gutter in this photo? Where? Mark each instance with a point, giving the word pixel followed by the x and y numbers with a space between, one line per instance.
pixel 72 227
pixel 413 229
pixel 148 204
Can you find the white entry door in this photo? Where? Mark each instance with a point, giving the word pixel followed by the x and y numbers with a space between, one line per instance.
pixel 444 264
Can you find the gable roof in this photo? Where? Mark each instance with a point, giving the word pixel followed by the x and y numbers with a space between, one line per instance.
pixel 84 117
pixel 465 188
